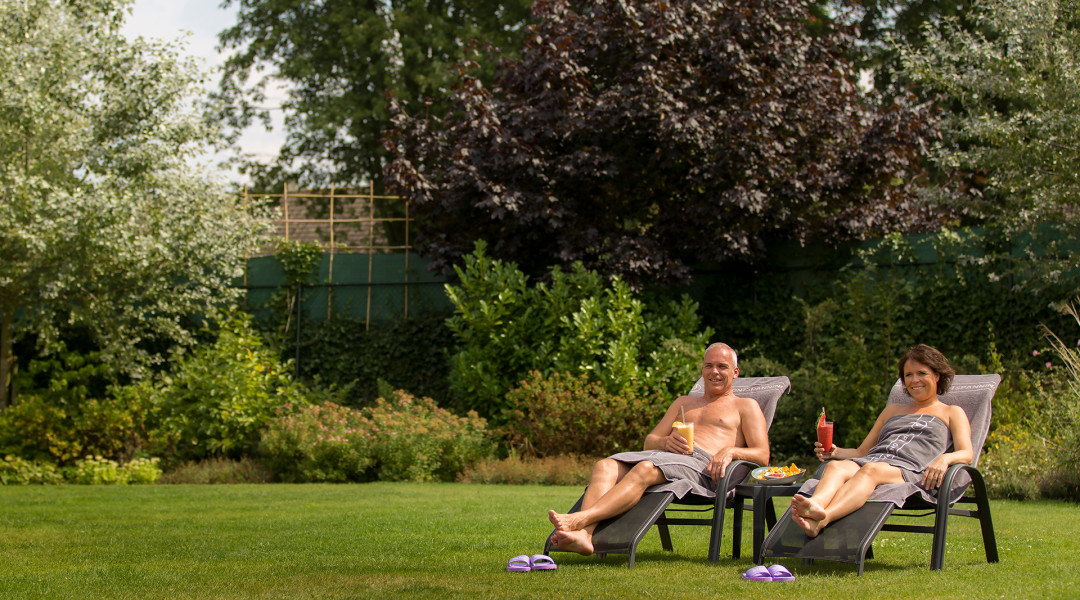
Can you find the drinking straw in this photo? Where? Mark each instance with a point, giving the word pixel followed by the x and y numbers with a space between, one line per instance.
pixel 682 413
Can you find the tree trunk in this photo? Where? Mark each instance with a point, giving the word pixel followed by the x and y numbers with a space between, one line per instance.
pixel 6 359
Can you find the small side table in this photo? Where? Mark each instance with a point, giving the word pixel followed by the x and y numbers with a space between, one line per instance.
pixel 761 497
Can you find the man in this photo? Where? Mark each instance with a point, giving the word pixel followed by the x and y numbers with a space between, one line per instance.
pixel 726 428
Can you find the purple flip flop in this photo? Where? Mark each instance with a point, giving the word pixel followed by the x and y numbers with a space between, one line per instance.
pixel 542 562
pixel 520 564
pixel 780 573
pixel 758 573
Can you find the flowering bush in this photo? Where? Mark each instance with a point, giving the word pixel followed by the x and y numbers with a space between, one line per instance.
pixel 1014 463
pixel 17 471
pixel 403 438
pixel 143 470
pixel 568 414
pixel 94 470
pixel 415 440
pixel 324 442
pixel 97 470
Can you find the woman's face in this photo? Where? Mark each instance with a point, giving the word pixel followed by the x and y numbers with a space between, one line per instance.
pixel 920 380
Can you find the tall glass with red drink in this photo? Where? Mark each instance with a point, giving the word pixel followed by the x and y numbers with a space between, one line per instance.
pixel 824 433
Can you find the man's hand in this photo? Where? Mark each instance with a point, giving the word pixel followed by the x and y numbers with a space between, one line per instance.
pixel 676 443
pixel 719 463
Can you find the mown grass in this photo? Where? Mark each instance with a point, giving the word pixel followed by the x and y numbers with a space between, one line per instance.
pixel 386 540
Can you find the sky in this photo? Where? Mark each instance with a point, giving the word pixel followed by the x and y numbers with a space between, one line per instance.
pixel 203 20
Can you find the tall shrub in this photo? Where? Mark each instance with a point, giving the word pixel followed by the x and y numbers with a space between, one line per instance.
pixel 350 353
pixel 575 322
pixel 1062 422
pixel 216 399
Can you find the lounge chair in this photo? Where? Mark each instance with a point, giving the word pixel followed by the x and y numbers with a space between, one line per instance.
pixel 621 534
pixel 849 539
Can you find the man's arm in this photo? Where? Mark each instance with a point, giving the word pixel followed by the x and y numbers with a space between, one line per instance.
pixel 661 435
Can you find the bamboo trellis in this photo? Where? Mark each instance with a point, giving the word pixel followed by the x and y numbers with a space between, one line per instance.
pixel 353 226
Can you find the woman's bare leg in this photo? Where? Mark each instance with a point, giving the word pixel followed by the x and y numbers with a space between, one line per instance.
pixel 836 474
pixel 849 498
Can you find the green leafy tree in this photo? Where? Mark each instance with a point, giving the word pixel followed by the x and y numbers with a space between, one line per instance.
pixel 884 25
pixel 338 60
pixel 103 223
pixel 1009 88
pixel 642 137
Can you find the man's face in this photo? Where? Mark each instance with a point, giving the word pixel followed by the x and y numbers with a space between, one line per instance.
pixel 719 370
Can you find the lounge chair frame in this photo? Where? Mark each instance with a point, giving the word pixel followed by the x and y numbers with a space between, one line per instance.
pixel 621 534
pixel 850 539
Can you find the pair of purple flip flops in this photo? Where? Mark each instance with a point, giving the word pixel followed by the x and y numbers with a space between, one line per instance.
pixel 773 573
pixel 536 562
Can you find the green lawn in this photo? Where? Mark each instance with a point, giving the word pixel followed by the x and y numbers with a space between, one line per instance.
pixel 452 541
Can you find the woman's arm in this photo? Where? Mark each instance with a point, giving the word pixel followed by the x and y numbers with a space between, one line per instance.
pixel 962 450
pixel 867 444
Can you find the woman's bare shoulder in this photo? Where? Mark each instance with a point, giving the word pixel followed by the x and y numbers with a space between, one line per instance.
pixel 955 412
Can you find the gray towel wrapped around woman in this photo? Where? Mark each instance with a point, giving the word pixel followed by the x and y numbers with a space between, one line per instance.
pixel 910 443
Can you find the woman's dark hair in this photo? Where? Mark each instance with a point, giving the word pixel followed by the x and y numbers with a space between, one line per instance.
pixel 931 357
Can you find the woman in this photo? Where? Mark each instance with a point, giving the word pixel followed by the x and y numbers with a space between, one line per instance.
pixel 908 444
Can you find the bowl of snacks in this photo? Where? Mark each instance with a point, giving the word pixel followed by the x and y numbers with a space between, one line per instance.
pixel 777 475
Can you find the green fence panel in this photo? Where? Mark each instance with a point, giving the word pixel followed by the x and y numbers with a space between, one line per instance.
pixel 373 288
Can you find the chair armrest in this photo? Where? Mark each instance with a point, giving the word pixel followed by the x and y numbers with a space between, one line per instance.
pixel 729 480
pixel 951 473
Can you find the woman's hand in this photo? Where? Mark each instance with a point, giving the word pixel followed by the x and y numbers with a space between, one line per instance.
pixel 935 473
pixel 822 455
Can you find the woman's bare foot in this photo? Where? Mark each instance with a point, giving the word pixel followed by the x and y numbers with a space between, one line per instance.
pixel 568 522
pixel 806 507
pixel 812 527
pixel 573 541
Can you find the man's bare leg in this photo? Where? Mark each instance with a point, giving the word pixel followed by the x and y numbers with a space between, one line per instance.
pixel 574 530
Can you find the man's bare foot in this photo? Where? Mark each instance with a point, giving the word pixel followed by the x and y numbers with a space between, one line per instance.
pixel 573 541
pixel 806 507
pixel 568 522
pixel 812 527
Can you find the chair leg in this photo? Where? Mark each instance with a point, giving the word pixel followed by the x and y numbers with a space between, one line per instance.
pixel 941 524
pixel 736 527
pixel 665 534
pixel 717 534
pixel 982 503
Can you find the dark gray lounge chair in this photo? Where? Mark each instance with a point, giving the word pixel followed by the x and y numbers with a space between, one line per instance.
pixel 621 534
pixel 849 539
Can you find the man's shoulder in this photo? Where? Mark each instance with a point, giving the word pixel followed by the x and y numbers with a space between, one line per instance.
pixel 746 401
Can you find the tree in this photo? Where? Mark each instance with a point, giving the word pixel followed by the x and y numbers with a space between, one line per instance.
pixel 104 225
pixel 1009 86
pixel 884 23
pixel 340 59
pixel 642 137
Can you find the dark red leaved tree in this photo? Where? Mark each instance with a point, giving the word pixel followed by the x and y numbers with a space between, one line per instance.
pixel 642 137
